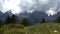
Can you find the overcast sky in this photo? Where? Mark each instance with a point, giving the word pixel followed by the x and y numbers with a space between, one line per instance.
pixel 30 5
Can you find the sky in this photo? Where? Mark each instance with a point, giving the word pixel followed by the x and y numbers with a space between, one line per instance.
pixel 50 7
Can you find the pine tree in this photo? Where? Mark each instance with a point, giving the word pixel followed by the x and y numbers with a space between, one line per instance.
pixel 8 20
pixel 58 19
pixel 24 22
pixel 43 21
pixel 0 23
pixel 13 19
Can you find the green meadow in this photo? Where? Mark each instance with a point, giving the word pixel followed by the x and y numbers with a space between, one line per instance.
pixel 45 28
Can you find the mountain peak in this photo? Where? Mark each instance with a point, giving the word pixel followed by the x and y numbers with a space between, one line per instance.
pixel 1 12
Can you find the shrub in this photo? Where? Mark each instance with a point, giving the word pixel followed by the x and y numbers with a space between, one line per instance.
pixel 10 19
pixel 43 21
pixel 24 22
pixel 58 19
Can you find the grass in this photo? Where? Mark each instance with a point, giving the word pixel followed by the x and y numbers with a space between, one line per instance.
pixel 45 28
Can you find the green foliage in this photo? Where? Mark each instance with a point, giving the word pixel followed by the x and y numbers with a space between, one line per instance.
pixel 12 29
pixel 45 28
pixel 58 19
pixel 10 19
pixel 24 22
pixel 0 24
pixel 43 21
pixel 13 19
pixel 0 20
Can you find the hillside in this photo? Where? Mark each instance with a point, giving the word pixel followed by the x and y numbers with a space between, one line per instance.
pixel 46 28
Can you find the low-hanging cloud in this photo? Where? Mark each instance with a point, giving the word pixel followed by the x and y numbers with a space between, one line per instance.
pixel 30 5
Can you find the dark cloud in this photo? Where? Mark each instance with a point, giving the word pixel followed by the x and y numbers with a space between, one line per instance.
pixel 26 5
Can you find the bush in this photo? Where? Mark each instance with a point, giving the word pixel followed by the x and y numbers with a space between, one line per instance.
pixel 10 19
pixel 58 19
pixel 43 21
pixel 24 22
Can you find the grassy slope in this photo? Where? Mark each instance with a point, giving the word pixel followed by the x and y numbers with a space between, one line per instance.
pixel 35 29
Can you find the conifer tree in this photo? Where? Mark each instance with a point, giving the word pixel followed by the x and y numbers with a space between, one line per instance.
pixel 8 20
pixel 11 19
pixel 58 19
pixel 24 22
pixel 43 21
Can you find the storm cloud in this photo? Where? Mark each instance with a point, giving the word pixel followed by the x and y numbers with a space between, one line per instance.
pixel 31 5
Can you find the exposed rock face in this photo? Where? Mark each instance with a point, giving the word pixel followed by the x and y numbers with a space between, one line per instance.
pixel 3 16
pixel 35 17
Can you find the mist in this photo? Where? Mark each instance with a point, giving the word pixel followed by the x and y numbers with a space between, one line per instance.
pixel 18 6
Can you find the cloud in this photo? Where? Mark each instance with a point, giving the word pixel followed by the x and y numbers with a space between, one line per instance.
pixel 1 4
pixel 30 5
pixel 12 5
pixel 51 12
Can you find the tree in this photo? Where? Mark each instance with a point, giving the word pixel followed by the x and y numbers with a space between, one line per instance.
pixel 58 19
pixel 11 19
pixel 0 23
pixel 8 20
pixel 24 22
pixel 43 21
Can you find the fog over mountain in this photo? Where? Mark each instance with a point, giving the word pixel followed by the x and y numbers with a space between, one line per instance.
pixel 18 6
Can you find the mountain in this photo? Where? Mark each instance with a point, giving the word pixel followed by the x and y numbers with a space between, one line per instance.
pixel 34 17
pixel 1 13
pixel 23 15
pixel 37 16
pixel 5 15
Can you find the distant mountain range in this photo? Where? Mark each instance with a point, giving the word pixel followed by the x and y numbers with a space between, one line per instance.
pixel 3 16
pixel 33 18
pixel 37 17
pixel 1 13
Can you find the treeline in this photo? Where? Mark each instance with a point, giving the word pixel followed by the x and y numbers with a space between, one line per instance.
pixel 24 21
pixel 56 21
pixel 13 20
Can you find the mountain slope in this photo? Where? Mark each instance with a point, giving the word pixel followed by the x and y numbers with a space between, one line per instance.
pixel 5 15
pixel 37 16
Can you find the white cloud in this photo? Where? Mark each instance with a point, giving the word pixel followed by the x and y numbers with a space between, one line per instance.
pixel 18 6
pixel 43 1
pixel 12 5
pixel 51 12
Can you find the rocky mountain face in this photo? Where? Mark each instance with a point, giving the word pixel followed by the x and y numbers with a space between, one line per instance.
pixel 1 13
pixel 35 17
pixel 3 16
